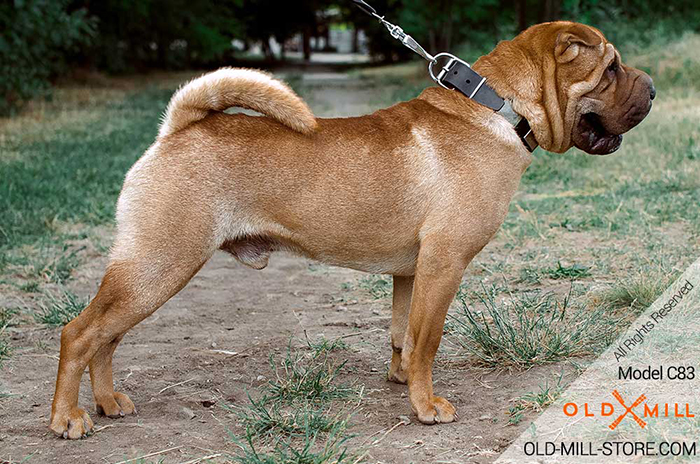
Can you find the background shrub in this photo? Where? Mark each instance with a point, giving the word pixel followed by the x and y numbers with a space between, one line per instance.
pixel 37 40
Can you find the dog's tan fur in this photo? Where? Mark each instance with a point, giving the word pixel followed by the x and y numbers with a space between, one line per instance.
pixel 416 191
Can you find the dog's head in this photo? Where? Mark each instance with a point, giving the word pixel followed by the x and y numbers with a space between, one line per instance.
pixel 570 84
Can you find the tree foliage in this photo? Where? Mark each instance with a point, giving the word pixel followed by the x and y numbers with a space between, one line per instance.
pixel 142 34
pixel 38 39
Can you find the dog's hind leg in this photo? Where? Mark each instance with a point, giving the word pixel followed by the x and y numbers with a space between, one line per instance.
pixel 129 293
pixel 108 402
pixel 154 257
pixel 401 304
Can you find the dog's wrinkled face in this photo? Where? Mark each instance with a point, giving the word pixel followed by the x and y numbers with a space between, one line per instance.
pixel 608 98
pixel 568 81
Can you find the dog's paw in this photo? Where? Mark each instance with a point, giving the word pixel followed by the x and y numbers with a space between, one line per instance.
pixel 397 376
pixel 115 406
pixel 73 424
pixel 439 412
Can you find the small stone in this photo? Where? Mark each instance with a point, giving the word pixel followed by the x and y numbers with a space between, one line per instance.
pixel 213 344
pixel 405 419
pixel 374 369
pixel 208 403
pixel 187 413
pixel 341 308
pixel 261 378
pixel 376 312
pixel 485 417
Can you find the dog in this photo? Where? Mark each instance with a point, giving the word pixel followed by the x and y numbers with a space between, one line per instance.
pixel 415 191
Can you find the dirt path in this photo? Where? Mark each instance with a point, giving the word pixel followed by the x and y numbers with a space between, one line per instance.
pixel 177 367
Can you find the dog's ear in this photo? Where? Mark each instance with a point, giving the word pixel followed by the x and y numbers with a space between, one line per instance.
pixel 569 42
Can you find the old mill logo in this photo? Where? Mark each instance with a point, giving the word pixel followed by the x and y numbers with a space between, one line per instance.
pixel 609 409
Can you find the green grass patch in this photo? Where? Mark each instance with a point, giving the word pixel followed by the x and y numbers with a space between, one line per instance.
pixel 74 174
pixel 525 329
pixel 5 348
pixel 636 293
pixel 57 311
pixel 302 414
pixel 573 272
pixel 332 450
pixel 536 401
pixel 54 266
pixel 267 417
pixel 7 315
pixel 325 345
pixel 533 276
pixel 298 378
pixel 377 285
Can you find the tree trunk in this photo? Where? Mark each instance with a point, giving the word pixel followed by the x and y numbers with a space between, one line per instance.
pixel 550 10
pixel 267 51
pixel 441 34
pixel 327 37
pixel 521 7
pixel 307 43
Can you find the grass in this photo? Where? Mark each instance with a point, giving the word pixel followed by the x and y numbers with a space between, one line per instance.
pixel 525 329
pixel 573 272
pixel 324 344
pixel 62 169
pixel 311 381
pixel 536 401
pixel 302 415
pixel 7 316
pixel 57 311
pixel 63 176
pixel 333 450
pixel 378 286
pixel 73 175
pixel 5 348
pixel 532 275
pixel 635 293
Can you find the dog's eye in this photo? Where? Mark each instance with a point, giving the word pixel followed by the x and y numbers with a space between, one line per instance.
pixel 613 67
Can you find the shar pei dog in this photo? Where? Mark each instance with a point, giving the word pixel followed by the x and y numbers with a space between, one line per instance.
pixel 415 191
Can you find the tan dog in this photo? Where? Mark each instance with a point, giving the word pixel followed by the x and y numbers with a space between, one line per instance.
pixel 416 191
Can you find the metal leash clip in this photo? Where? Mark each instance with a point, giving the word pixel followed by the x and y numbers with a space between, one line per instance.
pixel 457 74
pixel 409 42
pixel 395 31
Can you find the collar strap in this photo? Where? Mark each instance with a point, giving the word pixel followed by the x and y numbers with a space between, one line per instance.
pixel 458 75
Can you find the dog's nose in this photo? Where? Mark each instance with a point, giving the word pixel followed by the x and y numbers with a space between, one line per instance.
pixel 652 92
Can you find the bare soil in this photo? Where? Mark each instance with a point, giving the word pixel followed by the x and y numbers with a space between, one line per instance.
pixel 230 308
pixel 179 367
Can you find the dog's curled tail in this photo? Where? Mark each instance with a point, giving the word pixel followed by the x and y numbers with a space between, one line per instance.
pixel 245 88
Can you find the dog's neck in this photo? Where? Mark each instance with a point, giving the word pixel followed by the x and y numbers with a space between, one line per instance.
pixel 503 69
pixel 467 81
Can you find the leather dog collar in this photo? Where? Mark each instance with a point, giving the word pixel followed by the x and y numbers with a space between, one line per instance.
pixel 458 75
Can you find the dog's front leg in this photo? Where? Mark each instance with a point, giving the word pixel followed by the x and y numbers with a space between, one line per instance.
pixel 439 272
